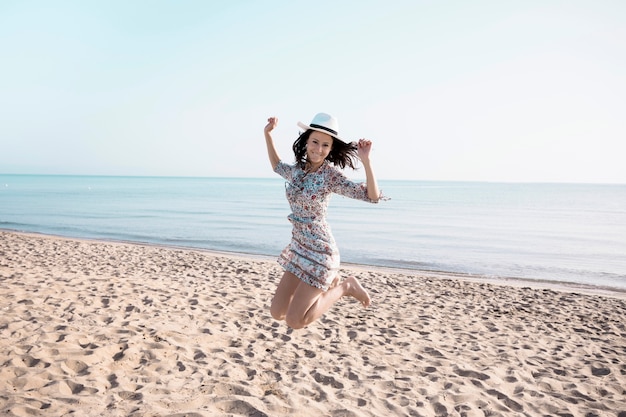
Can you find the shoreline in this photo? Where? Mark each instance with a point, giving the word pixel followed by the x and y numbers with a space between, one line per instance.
pixel 98 328
pixel 563 286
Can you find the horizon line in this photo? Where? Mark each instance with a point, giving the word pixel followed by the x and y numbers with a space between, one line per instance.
pixel 273 177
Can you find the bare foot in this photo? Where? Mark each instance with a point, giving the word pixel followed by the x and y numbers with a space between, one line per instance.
pixel 334 283
pixel 354 289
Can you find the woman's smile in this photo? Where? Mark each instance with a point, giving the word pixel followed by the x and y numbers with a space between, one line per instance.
pixel 318 147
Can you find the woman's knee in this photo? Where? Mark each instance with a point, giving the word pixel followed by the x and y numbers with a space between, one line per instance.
pixel 277 312
pixel 295 321
pixel 292 320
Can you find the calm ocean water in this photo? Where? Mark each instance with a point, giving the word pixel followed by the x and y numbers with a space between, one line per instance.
pixel 572 233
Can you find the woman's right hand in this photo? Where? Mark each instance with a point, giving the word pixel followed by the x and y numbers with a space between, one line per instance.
pixel 271 150
pixel 271 124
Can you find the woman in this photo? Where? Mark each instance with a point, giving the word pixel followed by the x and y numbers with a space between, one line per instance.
pixel 310 284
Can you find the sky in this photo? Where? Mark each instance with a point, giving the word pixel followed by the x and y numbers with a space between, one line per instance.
pixel 505 91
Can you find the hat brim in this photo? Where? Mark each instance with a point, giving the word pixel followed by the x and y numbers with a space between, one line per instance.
pixel 307 127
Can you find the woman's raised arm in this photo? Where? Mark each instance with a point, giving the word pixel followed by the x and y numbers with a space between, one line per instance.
pixel 271 149
pixel 363 148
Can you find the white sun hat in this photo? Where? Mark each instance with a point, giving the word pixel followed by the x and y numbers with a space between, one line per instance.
pixel 324 123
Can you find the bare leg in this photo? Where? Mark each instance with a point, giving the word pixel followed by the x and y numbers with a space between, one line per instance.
pixel 284 294
pixel 310 303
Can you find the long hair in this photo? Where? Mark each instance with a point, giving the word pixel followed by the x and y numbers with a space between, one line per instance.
pixel 341 154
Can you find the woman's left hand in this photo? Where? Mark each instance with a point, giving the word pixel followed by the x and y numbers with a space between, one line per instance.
pixel 364 147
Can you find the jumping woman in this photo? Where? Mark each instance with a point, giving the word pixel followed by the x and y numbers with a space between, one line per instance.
pixel 310 284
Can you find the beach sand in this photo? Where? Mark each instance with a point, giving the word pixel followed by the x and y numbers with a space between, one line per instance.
pixel 94 328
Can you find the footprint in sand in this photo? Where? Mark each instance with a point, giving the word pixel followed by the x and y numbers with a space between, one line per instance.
pixel 198 356
pixel 70 388
pixel 32 362
pixel 76 366
pixel 132 396
pixel 600 370
pixel 513 405
pixel 326 380
pixel 113 380
pixel 471 374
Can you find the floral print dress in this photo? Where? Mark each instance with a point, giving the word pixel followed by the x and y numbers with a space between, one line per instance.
pixel 312 255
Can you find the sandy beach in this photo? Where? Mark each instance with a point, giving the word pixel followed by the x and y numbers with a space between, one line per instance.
pixel 93 328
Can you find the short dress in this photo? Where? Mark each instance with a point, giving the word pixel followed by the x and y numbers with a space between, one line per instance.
pixel 312 255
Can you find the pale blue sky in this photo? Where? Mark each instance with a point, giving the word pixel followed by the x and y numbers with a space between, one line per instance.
pixel 446 90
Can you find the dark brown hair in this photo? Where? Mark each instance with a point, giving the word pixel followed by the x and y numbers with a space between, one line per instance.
pixel 341 154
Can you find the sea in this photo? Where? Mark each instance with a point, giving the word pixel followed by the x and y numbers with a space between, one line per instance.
pixel 563 233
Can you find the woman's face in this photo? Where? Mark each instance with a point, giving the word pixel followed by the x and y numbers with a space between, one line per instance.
pixel 318 146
